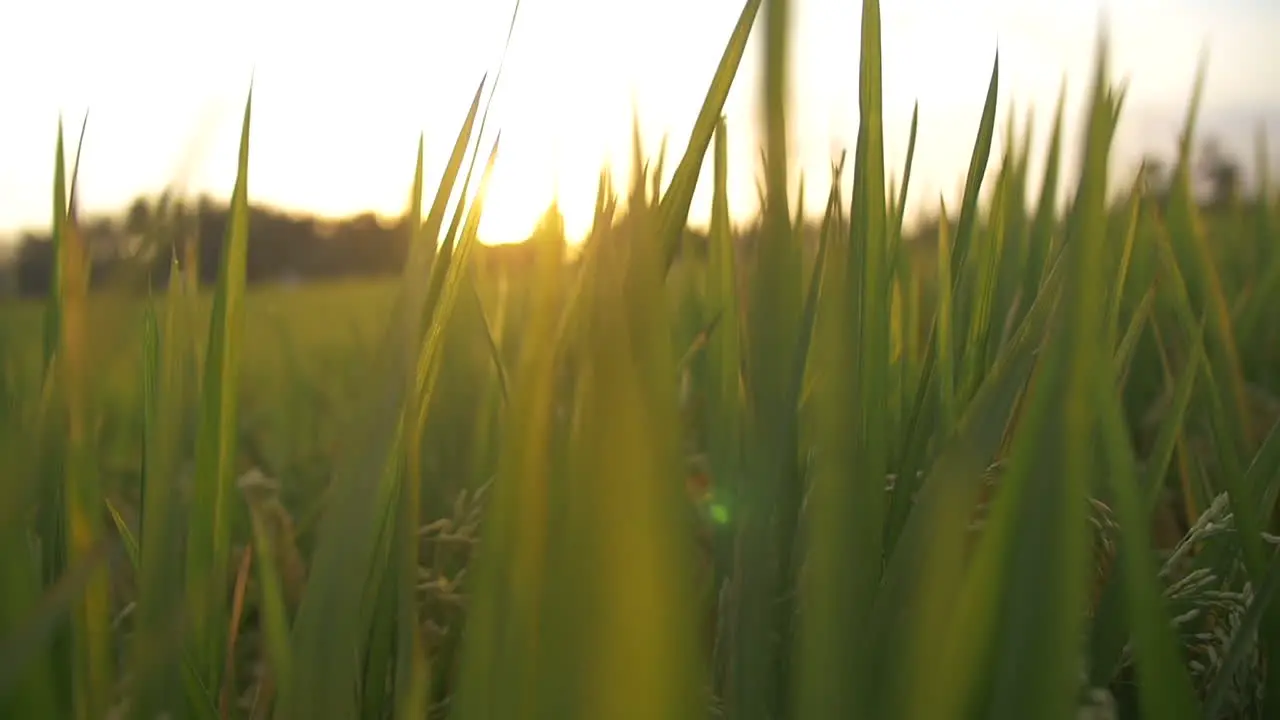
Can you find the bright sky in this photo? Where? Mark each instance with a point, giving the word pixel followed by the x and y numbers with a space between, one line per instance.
pixel 342 91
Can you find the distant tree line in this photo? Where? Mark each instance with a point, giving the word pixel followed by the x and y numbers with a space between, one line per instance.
pixel 137 249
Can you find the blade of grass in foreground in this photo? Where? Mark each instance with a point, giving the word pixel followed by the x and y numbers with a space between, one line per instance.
pixel 937 377
pixel 90 631
pixel 31 678
pixel 484 121
pixel 430 355
pixel 1163 683
pixel 413 677
pixel 919 422
pixel 491 340
pixel 724 388
pixel 501 647
pixel 844 547
pixel 209 526
pixel 915 604
pixel 989 256
pixel 28 642
pixel 679 197
pixel 973 184
pixel 275 621
pixel 334 618
pixel 31 693
pixel 946 348
pixel 900 206
pixel 1042 239
pixel 1255 311
pixel 1134 213
pixel 51 520
pixel 160 559
pixel 1204 283
pixel 770 496
pixel 1021 613
pixel 628 648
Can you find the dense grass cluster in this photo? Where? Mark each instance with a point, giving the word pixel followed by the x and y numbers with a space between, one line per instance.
pixel 1026 469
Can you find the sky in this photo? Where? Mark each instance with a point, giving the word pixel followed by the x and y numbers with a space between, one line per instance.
pixel 342 92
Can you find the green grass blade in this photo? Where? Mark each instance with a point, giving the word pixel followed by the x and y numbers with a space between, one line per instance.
pixel 918 422
pixel 724 350
pixel 809 314
pixel 769 500
pixel 412 676
pixel 209 526
pixel 946 352
pixel 332 619
pixel 1205 284
pixel 1020 657
pixel 26 644
pixel 1127 348
pixel 160 542
pixel 1173 423
pixel 631 648
pixel 915 602
pixel 484 121
pixel 980 308
pixel 977 170
pixel 1163 683
pixel 22 431
pixel 1042 240
pixel 430 358
pixel 421 255
pixel 91 642
pixel 413 690
pixel 675 205
pixel 900 214
pixel 491 341
pixel 1264 472
pixel 1122 273
pixel 275 622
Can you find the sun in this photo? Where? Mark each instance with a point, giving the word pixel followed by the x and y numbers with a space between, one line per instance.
pixel 527 179
pixel 563 107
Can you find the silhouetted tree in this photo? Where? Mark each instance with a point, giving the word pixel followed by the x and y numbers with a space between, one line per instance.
pixel 138 218
pixel 33 265
pixel 1221 172
pixel 1155 177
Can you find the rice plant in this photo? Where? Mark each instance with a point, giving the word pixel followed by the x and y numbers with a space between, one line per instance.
pixel 892 475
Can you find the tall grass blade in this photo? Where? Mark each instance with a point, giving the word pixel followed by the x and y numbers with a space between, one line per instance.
pixel 1042 240
pixel 724 351
pixel 209 525
pixel 769 500
pixel 1163 683
pixel 916 600
pixel 160 543
pixel 675 204
pixel 1034 546
pixel 948 404
pixel 333 617
pixel 91 641
pixel 502 647
pixel 977 170
pixel 412 679
pixel 900 214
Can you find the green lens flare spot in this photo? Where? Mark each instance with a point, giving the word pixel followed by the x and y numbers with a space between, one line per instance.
pixel 719 513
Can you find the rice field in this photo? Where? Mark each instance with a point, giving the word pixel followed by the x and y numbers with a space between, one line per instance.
pixel 1024 466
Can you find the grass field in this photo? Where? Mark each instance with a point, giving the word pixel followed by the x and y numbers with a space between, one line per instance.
pixel 1027 468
